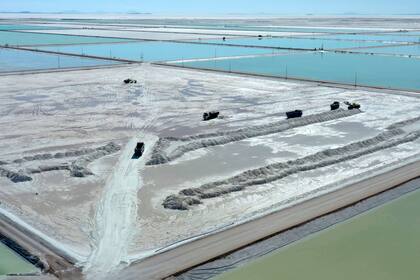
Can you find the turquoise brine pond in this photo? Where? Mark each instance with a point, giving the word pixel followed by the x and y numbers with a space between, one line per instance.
pixel 12 263
pixel 158 50
pixel 297 43
pixel 397 38
pixel 408 33
pixel 27 27
pixel 361 69
pixel 399 50
pixel 18 60
pixel 381 244
pixel 28 38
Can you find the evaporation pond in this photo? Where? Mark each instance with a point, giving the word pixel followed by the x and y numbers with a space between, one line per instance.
pixel 375 37
pixel 381 244
pixel 27 27
pixel 297 43
pixel 29 39
pixel 18 60
pixel 158 51
pixel 360 69
pixel 399 50
pixel 12 263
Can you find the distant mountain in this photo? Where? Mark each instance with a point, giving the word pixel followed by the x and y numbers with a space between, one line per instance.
pixel 137 13
pixel 18 12
pixel 70 12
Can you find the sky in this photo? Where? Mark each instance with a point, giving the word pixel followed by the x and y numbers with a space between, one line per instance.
pixel 291 7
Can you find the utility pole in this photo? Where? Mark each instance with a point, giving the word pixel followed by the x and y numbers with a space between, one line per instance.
pixel 355 79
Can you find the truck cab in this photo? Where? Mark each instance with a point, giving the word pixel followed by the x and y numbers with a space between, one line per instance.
pixel 294 114
pixel 210 115
pixel 139 150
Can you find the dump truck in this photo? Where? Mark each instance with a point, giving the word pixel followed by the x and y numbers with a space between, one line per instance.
pixel 353 105
pixel 130 81
pixel 139 150
pixel 335 105
pixel 294 114
pixel 210 115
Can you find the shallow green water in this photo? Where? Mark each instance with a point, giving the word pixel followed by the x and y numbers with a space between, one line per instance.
pixel 11 263
pixel 158 51
pixel 17 60
pixel 362 69
pixel 24 38
pixel 382 244
pixel 300 43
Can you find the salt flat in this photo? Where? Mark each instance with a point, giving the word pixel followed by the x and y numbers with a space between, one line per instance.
pixel 130 34
pixel 222 32
pixel 67 130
